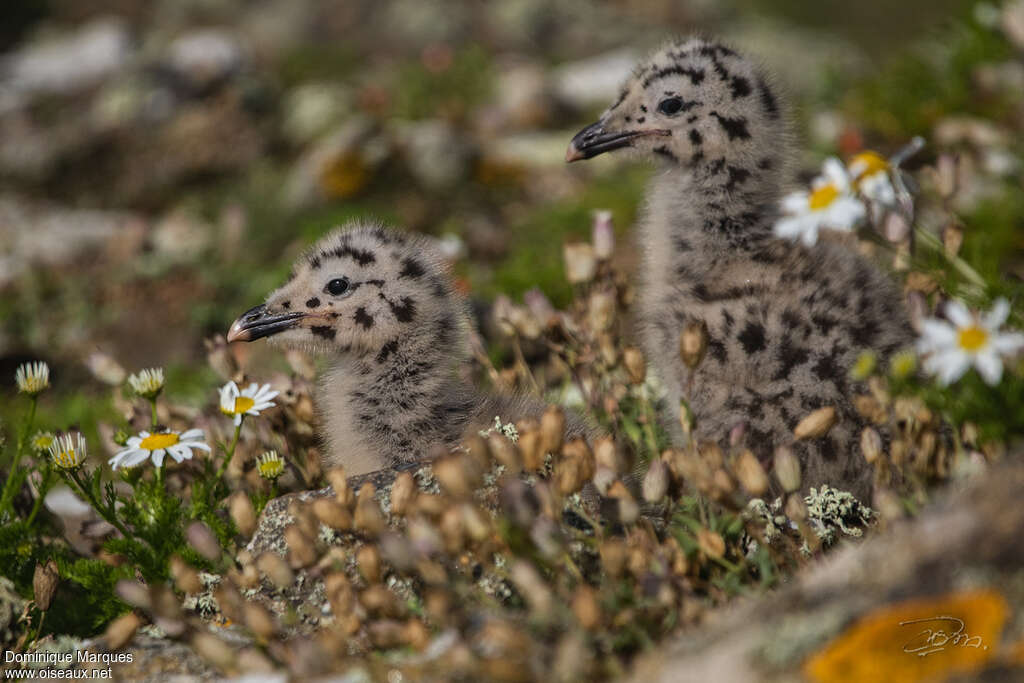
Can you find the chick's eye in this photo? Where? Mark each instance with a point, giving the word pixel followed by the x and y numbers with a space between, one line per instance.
pixel 337 286
pixel 670 106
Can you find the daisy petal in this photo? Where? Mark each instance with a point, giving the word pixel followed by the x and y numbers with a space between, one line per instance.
pixel 990 366
pixel 1008 343
pixel 995 318
pixel 958 314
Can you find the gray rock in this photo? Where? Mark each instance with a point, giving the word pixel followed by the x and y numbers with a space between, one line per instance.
pixel 69 63
pixel 593 81
pixel 204 57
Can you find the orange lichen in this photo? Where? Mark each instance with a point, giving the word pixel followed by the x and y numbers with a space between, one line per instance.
pixel 916 640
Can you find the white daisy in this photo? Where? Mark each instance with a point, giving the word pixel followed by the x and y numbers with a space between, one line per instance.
pixel 248 401
pixel 270 465
pixel 42 441
pixel 32 378
pixel 155 446
pixel 147 383
pixel 870 174
pixel 68 452
pixel 830 204
pixel 971 339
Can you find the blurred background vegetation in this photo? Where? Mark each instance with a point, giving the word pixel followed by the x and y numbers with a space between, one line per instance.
pixel 161 163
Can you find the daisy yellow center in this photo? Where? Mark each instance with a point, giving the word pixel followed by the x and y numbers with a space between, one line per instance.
pixel 155 442
pixel 66 458
pixel 868 164
pixel 243 403
pixel 271 468
pixel 822 197
pixel 972 338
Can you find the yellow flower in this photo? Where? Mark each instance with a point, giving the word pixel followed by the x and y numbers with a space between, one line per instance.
pixel 270 465
pixel 32 378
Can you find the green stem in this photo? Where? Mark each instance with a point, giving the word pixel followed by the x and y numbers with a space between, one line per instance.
pixel 108 514
pixel 230 452
pixel 9 486
pixel 44 488
pixel 152 403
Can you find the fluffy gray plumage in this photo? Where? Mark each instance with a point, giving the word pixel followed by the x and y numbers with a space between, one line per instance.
pixel 381 305
pixel 785 322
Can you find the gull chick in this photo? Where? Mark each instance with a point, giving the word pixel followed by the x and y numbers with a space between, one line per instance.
pixel 380 303
pixel 784 322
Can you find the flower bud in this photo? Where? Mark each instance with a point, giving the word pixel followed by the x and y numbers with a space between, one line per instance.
pixel 505 452
pixel 530 449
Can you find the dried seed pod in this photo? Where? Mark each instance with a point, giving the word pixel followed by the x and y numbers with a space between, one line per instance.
pixel 722 485
pixel 185 577
pixel 203 541
pixel 685 419
pixel 369 518
pixel 380 601
pixel 44 584
pixel 601 310
pixel 532 587
pixel 552 430
pixel 259 620
pixel 505 452
pixel 452 473
pixel 603 235
pixel 452 530
pixel 430 505
pixel 369 562
pixel 121 631
pixel 795 508
pixel 816 424
pixel 301 548
pixel 585 607
pixel 242 512
pixel 403 493
pixel 656 481
pixel 635 364
pixel 213 649
pixel 134 593
pixel 475 522
pixel 332 514
pixel 888 504
pixel 613 556
pixel 607 455
pixel 577 449
pixel 580 262
pixel 710 543
pixel 303 517
pixel 750 473
pixel 339 593
pixel 629 511
pixel 603 479
pixel 339 482
pixel 530 449
pixel 693 343
pixel 870 444
pixel 276 569
pixel 416 634
pixel 787 469
pixel 868 408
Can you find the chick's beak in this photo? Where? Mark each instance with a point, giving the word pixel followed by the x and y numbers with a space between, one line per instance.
pixel 260 321
pixel 597 139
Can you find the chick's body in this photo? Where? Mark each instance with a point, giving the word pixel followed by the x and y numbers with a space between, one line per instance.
pixel 784 322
